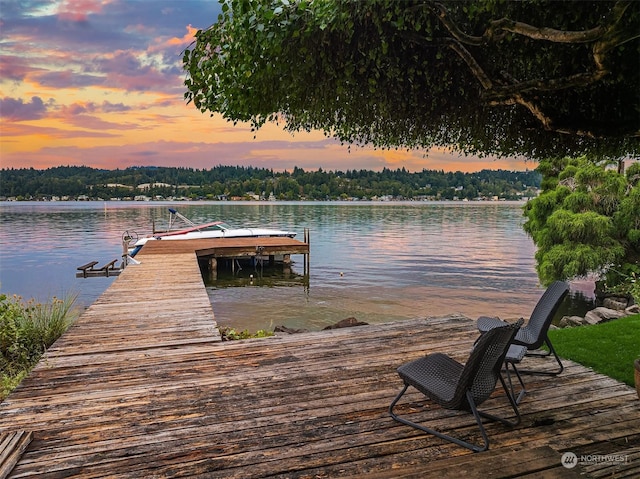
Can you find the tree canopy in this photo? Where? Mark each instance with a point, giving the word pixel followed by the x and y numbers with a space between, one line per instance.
pixel 536 78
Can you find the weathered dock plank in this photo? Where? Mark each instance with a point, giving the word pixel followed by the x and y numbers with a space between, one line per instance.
pixel 12 445
pixel 141 386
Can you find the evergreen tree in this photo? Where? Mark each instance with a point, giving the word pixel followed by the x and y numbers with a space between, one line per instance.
pixel 587 220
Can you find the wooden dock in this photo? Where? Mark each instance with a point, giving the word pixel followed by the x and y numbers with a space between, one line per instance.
pixel 228 247
pixel 143 387
pixel 210 251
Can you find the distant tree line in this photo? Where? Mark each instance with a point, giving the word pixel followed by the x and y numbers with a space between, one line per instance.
pixel 226 182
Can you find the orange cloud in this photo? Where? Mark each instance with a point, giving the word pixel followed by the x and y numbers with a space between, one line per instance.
pixel 185 40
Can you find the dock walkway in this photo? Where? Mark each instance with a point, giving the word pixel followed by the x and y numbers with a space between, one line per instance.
pixel 142 387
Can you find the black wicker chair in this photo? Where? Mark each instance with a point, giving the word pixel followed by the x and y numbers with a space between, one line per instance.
pixel 534 333
pixel 462 387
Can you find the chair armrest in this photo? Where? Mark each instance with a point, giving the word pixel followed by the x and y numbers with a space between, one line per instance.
pixel 515 353
pixel 487 323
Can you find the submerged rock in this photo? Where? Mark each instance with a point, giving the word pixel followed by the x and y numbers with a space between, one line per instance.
pixel 346 323
pixel 285 329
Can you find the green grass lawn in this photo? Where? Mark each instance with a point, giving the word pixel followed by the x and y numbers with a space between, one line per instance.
pixel 609 348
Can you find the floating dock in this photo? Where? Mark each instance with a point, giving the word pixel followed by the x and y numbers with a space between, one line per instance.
pixel 142 386
pixel 91 270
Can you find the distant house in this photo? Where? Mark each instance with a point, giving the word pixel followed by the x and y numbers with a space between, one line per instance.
pixel 148 186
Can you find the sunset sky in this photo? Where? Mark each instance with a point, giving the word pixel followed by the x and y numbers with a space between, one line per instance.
pixel 100 83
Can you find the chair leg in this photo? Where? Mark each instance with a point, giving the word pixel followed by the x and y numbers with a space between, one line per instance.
pixel 552 350
pixel 523 390
pixel 446 437
pixel 512 402
pixel 544 355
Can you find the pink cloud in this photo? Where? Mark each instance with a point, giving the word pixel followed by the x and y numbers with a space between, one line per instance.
pixel 78 10
pixel 148 81
pixel 124 70
pixel 94 123
pixel 66 79
pixel 83 115
pixel 109 107
pixel 123 62
pixel 78 108
pixel 16 68
pixel 12 109
pixel 139 28
pixel 78 114
pixel 18 130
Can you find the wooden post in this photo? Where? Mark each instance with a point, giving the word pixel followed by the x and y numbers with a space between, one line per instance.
pixel 213 268
pixel 306 256
pixel 286 265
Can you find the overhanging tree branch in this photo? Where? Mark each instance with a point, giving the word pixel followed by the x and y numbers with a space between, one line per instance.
pixel 537 78
pixel 604 38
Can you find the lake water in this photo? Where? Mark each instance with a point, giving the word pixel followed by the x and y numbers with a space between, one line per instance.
pixel 375 261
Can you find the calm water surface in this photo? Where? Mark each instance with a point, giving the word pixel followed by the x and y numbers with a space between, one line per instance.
pixel 376 262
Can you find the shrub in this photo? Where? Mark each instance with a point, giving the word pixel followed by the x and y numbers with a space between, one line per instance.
pixel 26 331
pixel 231 334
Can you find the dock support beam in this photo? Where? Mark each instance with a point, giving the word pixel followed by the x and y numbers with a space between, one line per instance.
pixel 213 268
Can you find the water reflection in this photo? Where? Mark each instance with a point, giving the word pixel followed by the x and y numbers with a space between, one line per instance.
pixel 577 303
pixel 373 261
